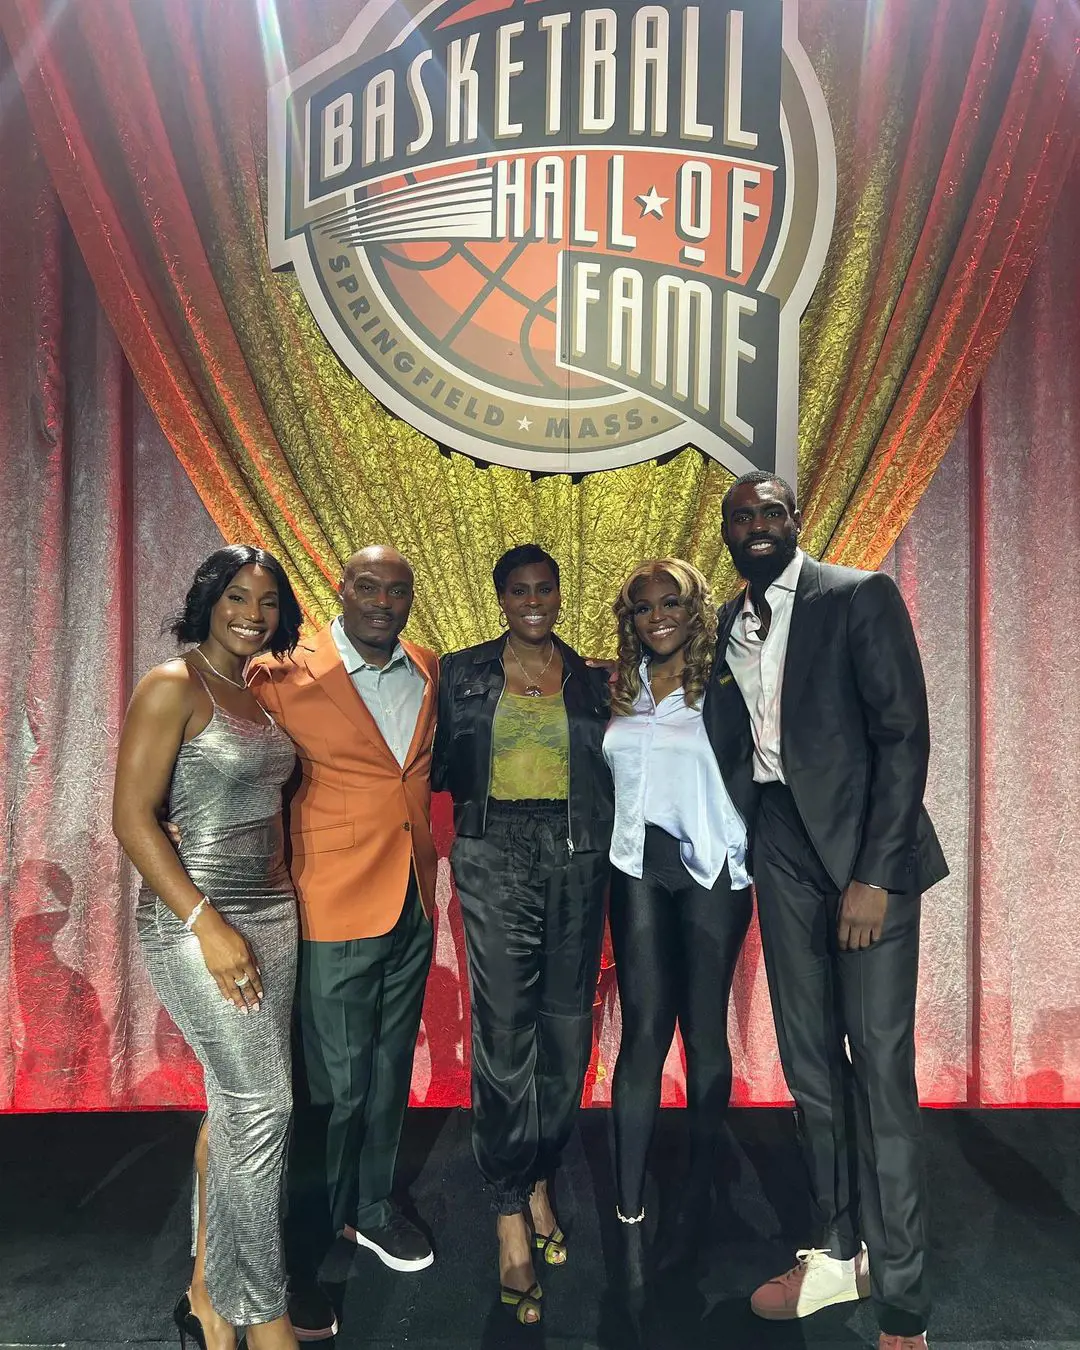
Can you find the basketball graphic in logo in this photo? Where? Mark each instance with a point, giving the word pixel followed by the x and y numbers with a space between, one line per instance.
pixel 563 237
pixel 484 299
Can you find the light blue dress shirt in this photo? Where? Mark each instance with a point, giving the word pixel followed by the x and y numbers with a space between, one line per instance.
pixel 666 774
pixel 393 694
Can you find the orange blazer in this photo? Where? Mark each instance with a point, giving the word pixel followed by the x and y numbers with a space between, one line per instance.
pixel 358 821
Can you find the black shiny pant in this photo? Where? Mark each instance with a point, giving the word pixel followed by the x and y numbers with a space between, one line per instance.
pixel 533 915
pixel 859 1120
pixel 675 946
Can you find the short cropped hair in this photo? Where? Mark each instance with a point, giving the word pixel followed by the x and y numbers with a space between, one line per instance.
pixel 753 478
pixel 524 555
pixel 211 581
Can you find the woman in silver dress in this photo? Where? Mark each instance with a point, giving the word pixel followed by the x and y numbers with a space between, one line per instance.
pixel 217 924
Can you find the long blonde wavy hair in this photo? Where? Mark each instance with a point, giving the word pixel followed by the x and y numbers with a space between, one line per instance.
pixel 696 595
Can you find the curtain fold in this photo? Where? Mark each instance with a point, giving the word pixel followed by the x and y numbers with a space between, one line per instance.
pixel 101 529
pixel 965 275
pixel 955 124
pixel 88 486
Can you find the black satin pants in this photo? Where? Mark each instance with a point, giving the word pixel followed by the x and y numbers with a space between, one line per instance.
pixel 859 1119
pixel 675 946
pixel 533 913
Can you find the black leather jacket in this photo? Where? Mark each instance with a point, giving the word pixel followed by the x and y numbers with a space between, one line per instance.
pixel 470 686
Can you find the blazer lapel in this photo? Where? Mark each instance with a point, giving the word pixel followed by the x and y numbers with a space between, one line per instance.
pixel 422 731
pixel 804 637
pixel 725 623
pixel 727 720
pixel 326 667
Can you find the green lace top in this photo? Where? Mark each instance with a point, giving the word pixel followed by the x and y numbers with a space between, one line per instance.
pixel 530 749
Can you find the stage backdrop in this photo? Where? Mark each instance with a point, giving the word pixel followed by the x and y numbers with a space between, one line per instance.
pixel 949 168
pixel 954 123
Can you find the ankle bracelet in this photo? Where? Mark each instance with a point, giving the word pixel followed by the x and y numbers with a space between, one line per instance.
pixel 624 1219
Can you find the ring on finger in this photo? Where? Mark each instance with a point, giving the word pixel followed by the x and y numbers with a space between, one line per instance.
pixel 242 981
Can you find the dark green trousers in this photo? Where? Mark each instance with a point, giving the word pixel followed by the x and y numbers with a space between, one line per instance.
pixel 357 1017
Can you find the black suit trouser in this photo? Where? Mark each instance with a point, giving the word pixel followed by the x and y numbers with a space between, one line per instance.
pixel 859 1120
pixel 357 1016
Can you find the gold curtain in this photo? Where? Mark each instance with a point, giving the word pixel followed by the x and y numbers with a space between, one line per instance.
pixel 955 122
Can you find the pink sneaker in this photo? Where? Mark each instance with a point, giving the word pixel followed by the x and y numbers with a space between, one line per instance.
pixel 901 1342
pixel 818 1281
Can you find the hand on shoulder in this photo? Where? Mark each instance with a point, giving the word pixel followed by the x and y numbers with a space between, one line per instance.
pixel 610 668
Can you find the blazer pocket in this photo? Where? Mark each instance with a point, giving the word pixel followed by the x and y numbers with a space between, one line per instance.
pixel 323 840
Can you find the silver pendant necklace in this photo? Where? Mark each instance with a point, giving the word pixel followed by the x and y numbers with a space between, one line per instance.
pixel 532 685
pixel 235 683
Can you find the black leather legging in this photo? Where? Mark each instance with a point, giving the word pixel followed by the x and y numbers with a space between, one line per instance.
pixel 675 946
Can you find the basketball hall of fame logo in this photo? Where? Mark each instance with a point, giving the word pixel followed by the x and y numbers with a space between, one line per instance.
pixel 563 237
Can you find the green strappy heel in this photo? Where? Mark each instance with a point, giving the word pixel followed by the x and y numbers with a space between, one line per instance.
pixel 523 1302
pixel 552 1247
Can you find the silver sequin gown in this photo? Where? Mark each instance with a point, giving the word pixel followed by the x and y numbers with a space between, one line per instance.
pixel 225 797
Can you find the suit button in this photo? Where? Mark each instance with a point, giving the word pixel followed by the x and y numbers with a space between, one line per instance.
pixel 406 826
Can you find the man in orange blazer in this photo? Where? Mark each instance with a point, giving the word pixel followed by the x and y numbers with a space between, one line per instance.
pixel 360 705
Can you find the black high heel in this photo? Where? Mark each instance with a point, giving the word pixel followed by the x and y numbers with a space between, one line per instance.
pixel 188 1324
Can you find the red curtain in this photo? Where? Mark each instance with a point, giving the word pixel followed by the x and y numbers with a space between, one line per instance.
pixel 100 529
pixel 955 122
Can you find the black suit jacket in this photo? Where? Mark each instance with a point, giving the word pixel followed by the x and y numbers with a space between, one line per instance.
pixel 854 729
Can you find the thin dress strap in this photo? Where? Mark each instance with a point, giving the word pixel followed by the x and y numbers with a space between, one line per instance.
pixel 265 711
pixel 213 700
pixel 198 676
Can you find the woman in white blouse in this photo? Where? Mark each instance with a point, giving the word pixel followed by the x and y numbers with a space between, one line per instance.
pixel 680 893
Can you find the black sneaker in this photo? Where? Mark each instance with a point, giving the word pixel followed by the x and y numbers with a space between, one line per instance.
pixel 312 1315
pixel 397 1243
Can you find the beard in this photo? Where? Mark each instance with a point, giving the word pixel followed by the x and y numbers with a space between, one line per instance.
pixel 761 572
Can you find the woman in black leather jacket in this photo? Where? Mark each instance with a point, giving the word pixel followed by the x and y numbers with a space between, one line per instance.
pixel 519 745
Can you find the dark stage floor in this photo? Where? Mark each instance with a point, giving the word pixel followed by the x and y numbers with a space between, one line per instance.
pixel 93 1239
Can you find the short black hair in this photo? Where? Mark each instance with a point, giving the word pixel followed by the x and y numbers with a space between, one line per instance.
pixel 524 555
pixel 753 478
pixel 212 578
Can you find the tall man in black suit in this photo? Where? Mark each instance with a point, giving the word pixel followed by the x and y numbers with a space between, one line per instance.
pixel 817 713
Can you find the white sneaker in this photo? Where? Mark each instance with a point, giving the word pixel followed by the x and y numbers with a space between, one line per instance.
pixel 818 1281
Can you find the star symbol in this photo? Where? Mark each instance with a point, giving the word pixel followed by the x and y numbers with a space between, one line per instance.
pixel 524 424
pixel 652 204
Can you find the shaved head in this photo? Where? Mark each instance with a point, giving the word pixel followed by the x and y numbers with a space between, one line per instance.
pixel 375 553
pixel 376 595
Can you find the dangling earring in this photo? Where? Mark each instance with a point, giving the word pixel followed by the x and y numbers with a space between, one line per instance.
pixel 504 622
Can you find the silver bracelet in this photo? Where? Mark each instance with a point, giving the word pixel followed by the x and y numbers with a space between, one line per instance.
pixel 189 922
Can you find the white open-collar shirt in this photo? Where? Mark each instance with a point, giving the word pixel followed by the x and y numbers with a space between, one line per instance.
pixel 393 694
pixel 665 774
pixel 758 667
